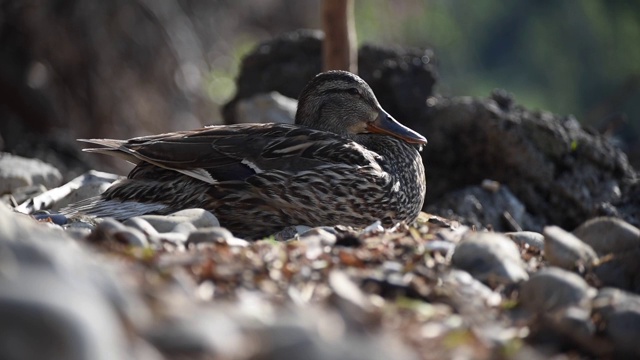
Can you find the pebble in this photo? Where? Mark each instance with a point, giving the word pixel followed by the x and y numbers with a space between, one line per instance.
pixel 576 321
pixel 464 290
pixel 25 193
pixel 142 225
pixel 490 258
pixel 553 289
pixel 563 249
pixel 200 218
pixel 175 238
pixel 533 239
pixel 51 289
pixel 17 172
pixel 266 108
pixel 316 240
pixel 607 235
pixel 619 312
pixel 209 235
pixel 185 228
pixel 132 237
pixel 94 183
pixel 111 229
pixel 324 237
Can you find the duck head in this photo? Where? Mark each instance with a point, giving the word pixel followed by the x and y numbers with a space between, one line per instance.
pixel 343 103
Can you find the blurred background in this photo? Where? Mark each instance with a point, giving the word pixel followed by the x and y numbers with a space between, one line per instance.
pixel 122 68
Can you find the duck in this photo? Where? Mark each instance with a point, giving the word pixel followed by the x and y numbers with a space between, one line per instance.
pixel 345 161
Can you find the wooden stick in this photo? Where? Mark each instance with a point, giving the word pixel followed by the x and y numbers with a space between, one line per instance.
pixel 339 51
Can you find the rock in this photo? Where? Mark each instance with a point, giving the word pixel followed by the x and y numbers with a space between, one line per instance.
pixel 90 184
pixel 489 257
pixel 24 193
pixel 324 237
pixel 619 314
pixel 175 238
pixel 266 108
pixel 351 301
pixel 86 184
pixel 481 207
pixel 185 228
pixel 374 228
pixel 576 321
pixel 621 270
pixel 198 331
pixel 112 230
pixel 532 239
pixel 467 292
pixel 43 314
pixel 563 249
pixel 554 289
pixel 316 240
pixel 290 232
pixel 214 235
pixel 78 233
pixel 549 162
pixel 200 218
pixel 55 301
pixel 132 237
pixel 142 225
pixel 16 172
pixel 608 235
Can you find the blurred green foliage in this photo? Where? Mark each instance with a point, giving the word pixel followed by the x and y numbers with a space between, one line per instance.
pixel 578 57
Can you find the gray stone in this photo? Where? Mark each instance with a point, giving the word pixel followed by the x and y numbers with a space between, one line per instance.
pixel 43 314
pixel 111 229
pixel 91 186
pixel 55 300
pixel 185 228
pixel 293 231
pixel 620 314
pixel 479 207
pixel 213 235
pixel 466 291
pixel 78 233
pixel 576 321
pixel 85 185
pixel 554 289
pixel 132 237
pixel 531 238
pixel 24 193
pixel 200 218
pixel 271 107
pixel 607 235
pixel 110 226
pixel 489 257
pixel 142 225
pixel 16 172
pixel 621 270
pixel 563 249
pixel 324 237
pixel 175 238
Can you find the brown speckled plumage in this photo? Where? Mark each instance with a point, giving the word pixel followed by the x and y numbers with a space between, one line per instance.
pixel 346 161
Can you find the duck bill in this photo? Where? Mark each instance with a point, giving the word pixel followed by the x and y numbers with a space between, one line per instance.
pixel 385 124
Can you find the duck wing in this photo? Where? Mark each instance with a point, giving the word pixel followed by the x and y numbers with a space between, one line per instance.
pixel 235 152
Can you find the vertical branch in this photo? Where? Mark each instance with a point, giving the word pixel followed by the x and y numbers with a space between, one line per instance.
pixel 339 51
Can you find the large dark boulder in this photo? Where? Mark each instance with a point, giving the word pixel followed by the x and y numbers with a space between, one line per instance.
pixel 561 171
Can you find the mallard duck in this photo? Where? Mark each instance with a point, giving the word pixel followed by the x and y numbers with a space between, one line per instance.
pixel 345 161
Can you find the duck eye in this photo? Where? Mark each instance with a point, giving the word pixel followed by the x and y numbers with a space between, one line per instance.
pixel 353 91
